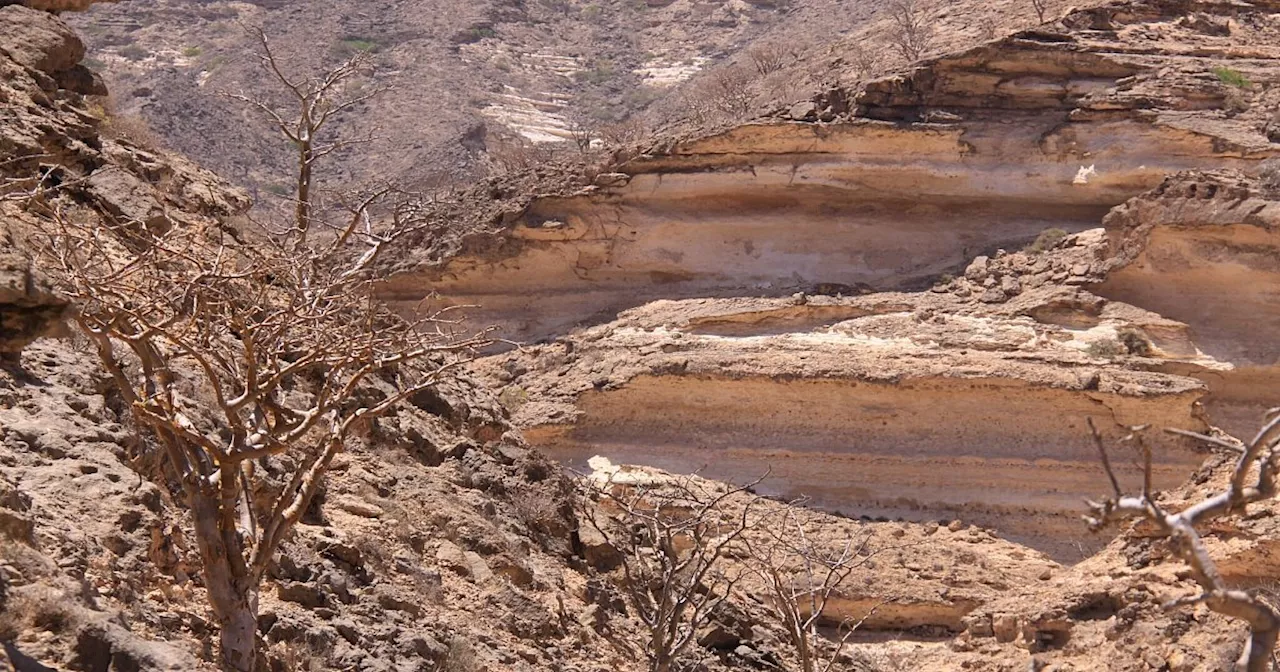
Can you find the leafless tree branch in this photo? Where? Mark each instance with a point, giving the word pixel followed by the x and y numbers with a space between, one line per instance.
pixel 1252 480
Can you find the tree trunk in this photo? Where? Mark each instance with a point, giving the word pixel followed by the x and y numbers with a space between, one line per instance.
pixel 233 594
pixel 237 643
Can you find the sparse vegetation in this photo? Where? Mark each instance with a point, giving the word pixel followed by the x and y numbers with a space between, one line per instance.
pixel 475 34
pixel 1134 341
pixel 350 46
pixel 768 57
pixel 514 153
pixel 133 52
pixel 911 29
pixel 1106 348
pixel 1231 77
pixel 513 397
pixel 672 537
pixel 1040 6
pixel 230 355
pixel 722 95
pixel 1047 240
pixel 1252 480
pixel 191 52
pixel 866 60
pixel 600 71
pixel 801 578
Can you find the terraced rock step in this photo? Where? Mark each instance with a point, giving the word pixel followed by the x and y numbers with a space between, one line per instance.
pixel 902 182
pixel 951 403
pixel 1001 454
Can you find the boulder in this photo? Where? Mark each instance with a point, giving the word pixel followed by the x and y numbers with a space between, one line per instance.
pixel 45 43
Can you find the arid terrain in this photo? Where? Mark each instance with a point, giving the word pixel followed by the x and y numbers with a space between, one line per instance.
pixel 916 295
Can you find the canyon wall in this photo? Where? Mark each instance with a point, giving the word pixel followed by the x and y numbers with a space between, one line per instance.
pixel 924 365
pixel 912 178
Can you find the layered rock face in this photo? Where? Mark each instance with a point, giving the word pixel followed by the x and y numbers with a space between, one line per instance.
pixel 969 399
pixel 912 178
pixel 924 406
pixel 1204 249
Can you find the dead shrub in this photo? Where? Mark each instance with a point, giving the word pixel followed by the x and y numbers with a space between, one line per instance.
pixel 866 59
pixel 769 57
pixel 911 32
pixel 118 125
pixel 1134 341
pixel 723 95
pixel 1047 240
pixel 515 154
pixel 1107 349
pixel 461 657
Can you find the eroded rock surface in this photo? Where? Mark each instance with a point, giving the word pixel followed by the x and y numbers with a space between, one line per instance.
pixel 911 178
pixel 916 405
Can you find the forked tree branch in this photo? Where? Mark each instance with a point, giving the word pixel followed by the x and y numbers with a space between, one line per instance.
pixel 1257 458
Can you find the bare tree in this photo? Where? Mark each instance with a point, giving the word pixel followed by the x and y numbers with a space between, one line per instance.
pixel 672 535
pixel 912 30
pixel 866 59
pixel 583 132
pixel 253 362
pixel 317 100
pixel 1252 480
pixel 769 57
pixel 624 133
pixel 800 576
pixel 724 94
pixel 1040 6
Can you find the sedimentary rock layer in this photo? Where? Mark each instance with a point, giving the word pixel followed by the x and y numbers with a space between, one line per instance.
pixel 997 453
pixel 926 406
pixel 961 156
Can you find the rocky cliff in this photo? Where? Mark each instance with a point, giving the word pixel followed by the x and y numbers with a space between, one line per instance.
pixel 907 300
pixel 892 186
pixel 417 553
pixel 966 177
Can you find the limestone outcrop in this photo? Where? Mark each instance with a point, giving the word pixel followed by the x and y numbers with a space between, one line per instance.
pixel 916 175
pixel 51 143
pixel 856 402
pixel 917 278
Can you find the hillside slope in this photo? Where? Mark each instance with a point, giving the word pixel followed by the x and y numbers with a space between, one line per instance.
pixel 907 297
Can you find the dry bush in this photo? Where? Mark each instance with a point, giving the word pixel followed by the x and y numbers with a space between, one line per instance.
pixel 671 535
pixel 722 95
pixel 461 657
pixel 516 154
pixel 801 576
pixel 625 133
pixel 120 126
pixel 1041 7
pixel 1045 241
pixel 867 60
pixel 582 131
pixel 1252 480
pixel 767 57
pixel 911 31
pixel 1134 341
pixel 251 359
